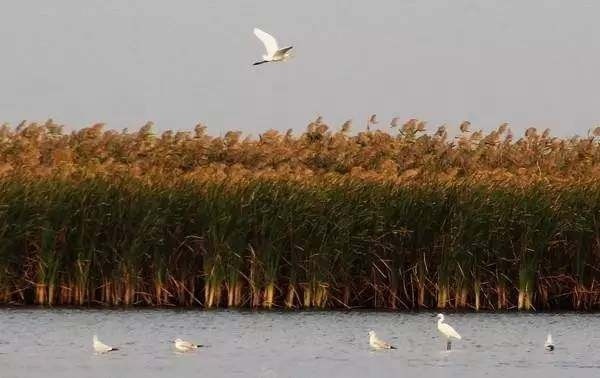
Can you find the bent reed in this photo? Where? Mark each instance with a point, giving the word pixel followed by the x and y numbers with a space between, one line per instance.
pixel 397 220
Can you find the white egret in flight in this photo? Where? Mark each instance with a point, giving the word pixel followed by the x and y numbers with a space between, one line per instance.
pixel 447 331
pixel 274 53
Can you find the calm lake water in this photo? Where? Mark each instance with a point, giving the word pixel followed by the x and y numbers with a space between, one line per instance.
pixel 58 343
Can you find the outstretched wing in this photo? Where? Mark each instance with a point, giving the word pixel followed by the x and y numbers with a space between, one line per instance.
pixel 281 53
pixel 268 40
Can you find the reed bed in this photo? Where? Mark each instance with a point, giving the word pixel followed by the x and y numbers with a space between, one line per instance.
pixel 399 219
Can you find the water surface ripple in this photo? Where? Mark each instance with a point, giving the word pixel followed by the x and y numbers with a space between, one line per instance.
pixel 57 343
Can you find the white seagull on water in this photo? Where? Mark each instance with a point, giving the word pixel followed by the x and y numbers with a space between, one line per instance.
pixel 274 53
pixel 549 345
pixel 185 346
pixel 447 331
pixel 100 347
pixel 376 343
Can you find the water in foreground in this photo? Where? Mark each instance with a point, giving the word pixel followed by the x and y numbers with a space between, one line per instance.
pixel 58 343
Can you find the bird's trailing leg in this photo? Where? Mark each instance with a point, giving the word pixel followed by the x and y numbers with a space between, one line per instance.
pixel 448 345
pixel 261 62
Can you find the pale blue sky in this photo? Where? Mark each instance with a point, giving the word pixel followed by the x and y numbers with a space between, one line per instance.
pixel 180 62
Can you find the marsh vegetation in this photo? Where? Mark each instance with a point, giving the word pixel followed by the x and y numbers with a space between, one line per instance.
pixel 397 219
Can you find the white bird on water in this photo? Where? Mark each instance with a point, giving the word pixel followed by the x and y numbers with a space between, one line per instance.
pixel 549 345
pixel 100 347
pixel 185 346
pixel 377 343
pixel 447 331
pixel 274 53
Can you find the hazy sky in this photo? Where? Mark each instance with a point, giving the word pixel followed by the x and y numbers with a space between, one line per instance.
pixel 180 62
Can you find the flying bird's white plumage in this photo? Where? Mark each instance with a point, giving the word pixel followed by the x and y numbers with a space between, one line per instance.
pixel 549 345
pixel 447 331
pixel 185 346
pixel 274 53
pixel 268 40
pixel 100 347
pixel 377 343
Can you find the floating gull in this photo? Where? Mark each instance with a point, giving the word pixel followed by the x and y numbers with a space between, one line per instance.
pixel 274 53
pixel 447 331
pixel 549 345
pixel 100 347
pixel 185 346
pixel 376 343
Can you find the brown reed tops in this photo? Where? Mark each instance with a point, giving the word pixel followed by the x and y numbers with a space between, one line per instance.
pixel 406 153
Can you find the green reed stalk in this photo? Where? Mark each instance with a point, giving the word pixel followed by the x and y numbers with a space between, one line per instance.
pixel 327 242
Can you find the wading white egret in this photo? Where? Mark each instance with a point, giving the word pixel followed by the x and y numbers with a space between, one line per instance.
pixel 100 347
pixel 549 345
pixel 185 346
pixel 447 331
pixel 376 343
pixel 274 53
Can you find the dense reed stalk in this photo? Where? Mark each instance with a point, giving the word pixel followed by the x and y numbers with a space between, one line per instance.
pixel 323 220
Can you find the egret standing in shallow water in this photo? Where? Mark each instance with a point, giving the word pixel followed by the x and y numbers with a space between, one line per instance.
pixel 376 343
pixel 549 345
pixel 100 347
pixel 274 53
pixel 447 331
